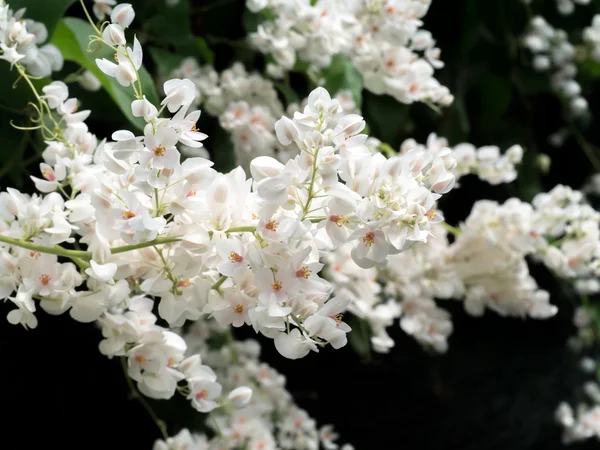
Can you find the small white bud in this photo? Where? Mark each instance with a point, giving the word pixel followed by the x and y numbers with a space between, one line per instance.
pixel 240 396
pixel 122 14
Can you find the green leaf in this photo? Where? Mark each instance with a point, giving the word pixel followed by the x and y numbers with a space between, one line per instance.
pixel 72 37
pixel 221 148
pixel 359 337
pixel 251 21
pixel 14 143
pixel 18 96
pixel 207 54
pixel 342 74
pixel 49 12
pixel 166 61
pixel 386 117
pixel 171 24
pixel 288 93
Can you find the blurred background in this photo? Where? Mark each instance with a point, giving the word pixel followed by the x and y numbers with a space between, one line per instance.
pixel 501 380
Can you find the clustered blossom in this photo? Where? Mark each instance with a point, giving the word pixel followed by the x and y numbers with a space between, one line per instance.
pixel 555 54
pixel 267 420
pixel 19 40
pixel 155 233
pixel 484 265
pixel 583 422
pixel 383 39
pixel 325 224
pixel 591 36
pixel 487 162
pixel 247 106
pixel 565 7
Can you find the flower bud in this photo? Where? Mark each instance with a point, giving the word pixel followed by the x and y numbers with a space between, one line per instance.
pixel 240 396
pixel 286 131
pixel 113 34
pixel 55 93
pixel 265 167
pixel 89 81
pixel 122 14
pixel 143 108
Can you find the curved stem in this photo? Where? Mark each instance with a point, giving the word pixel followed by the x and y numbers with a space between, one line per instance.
pixel 80 254
pixel 135 394
pixel 218 284
pixel 244 229
pixel 453 230
pixel 87 14
pixel 56 250
pixel 592 154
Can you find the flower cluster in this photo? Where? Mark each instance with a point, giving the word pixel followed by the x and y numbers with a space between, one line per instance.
pixel 584 422
pixel 383 39
pixel 248 106
pixel 591 36
pixel 268 419
pixel 553 52
pixel 153 233
pixel 484 265
pixel 407 286
pixel 565 7
pixel 487 162
pixel 19 40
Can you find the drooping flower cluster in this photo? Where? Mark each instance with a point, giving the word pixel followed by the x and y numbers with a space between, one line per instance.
pixel 247 106
pixel 487 162
pixel 384 40
pixel 565 7
pixel 155 232
pixel 554 53
pixel 485 266
pixel 19 40
pixel 268 419
pixel 591 36
pixel 583 422
pixel 407 286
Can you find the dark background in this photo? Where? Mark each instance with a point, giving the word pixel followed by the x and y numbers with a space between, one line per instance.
pixel 500 382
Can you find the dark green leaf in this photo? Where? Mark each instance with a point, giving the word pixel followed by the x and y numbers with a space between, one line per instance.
pixel 72 37
pixel 207 54
pixel 289 94
pixel 166 61
pixel 359 337
pixel 171 24
pixel 386 117
pixel 221 150
pixel 342 74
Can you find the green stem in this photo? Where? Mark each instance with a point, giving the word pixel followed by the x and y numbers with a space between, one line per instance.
pixel 218 284
pixel 80 254
pixel 135 394
pixel 128 248
pixel 57 250
pixel 244 229
pixel 455 231
pixel 311 186
pixel 87 14
pixel 589 151
pixel 218 428
pixel 230 342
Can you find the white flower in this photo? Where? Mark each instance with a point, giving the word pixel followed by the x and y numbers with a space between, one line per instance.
pixel 240 396
pixel 178 93
pixel 122 14
pixel 203 394
pixel 125 71
pixel 160 151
